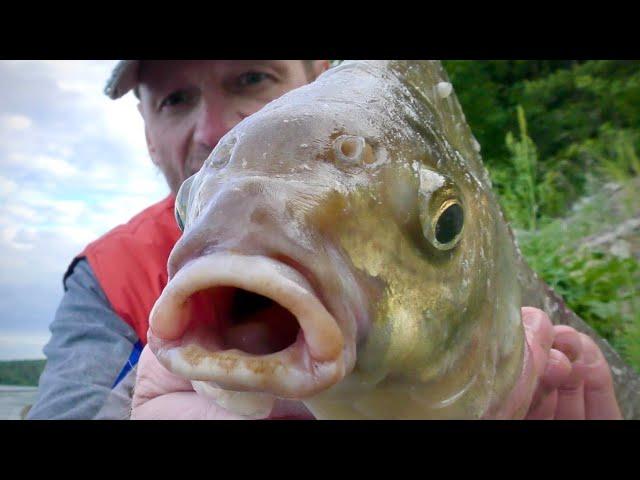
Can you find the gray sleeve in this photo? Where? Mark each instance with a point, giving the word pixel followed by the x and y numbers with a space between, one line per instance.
pixel 91 350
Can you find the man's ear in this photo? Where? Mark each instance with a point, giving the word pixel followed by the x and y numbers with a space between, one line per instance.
pixel 150 147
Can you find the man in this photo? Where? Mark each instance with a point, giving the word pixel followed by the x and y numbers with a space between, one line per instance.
pixel 100 328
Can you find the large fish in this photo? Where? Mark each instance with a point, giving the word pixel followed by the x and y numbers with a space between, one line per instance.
pixel 343 247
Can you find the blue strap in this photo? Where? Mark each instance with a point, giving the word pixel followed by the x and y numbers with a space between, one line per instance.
pixel 131 362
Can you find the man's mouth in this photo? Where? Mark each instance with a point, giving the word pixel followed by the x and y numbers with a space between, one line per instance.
pixel 247 324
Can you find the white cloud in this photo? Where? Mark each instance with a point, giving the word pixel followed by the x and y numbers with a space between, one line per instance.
pixel 17 237
pixel 118 120
pixel 7 186
pixel 52 166
pixel 37 258
pixel 74 237
pixel 15 212
pixel 124 123
pixel 15 159
pixel 64 151
pixel 74 165
pixel 15 122
pixel 33 197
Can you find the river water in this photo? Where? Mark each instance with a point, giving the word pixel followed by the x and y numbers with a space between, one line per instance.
pixel 13 399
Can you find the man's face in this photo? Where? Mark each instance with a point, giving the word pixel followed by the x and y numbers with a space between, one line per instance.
pixel 189 105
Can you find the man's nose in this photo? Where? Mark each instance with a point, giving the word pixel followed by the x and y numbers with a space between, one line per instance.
pixel 215 119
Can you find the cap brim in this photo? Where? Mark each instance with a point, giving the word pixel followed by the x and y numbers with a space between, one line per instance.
pixel 123 78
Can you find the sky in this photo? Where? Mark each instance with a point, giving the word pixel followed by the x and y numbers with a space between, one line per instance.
pixel 73 165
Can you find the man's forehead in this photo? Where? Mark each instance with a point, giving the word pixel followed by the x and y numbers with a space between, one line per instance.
pixel 129 74
pixel 159 73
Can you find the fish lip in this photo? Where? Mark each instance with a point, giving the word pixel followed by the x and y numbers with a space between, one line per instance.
pixel 312 363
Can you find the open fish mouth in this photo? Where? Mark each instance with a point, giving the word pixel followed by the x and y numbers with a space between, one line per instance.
pixel 247 323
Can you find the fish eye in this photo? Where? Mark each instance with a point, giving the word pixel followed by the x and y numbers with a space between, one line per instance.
pixel 182 201
pixel 449 225
pixel 442 221
pixel 442 224
pixel 179 219
pixel 441 210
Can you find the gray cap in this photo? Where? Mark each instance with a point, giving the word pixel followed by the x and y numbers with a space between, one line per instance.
pixel 123 78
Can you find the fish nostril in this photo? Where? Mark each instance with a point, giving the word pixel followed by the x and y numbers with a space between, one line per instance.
pixel 352 149
pixel 349 148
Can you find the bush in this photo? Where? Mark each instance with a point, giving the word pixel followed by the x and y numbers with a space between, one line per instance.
pixel 553 135
pixel 600 286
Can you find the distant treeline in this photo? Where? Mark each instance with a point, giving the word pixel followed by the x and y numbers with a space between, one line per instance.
pixel 21 372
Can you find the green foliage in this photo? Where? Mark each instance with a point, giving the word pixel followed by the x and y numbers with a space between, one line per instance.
pixel 489 92
pixel 21 372
pixel 615 153
pixel 571 105
pixel 517 183
pixel 567 101
pixel 600 287
pixel 529 192
pixel 553 134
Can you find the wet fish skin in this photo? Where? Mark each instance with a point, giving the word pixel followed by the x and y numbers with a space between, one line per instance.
pixel 346 181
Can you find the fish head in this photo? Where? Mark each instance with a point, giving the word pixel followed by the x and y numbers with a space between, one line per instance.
pixel 342 247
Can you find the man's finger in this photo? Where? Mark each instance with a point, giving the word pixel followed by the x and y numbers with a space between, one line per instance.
pixel 544 402
pixel 181 406
pixel 570 392
pixel 545 409
pixel 539 338
pixel 556 372
pixel 153 380
pixel 600 398
pixel 539 335
pixel 568 341
pixel 538 325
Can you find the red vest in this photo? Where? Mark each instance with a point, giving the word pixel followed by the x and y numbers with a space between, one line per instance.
pixel 130 262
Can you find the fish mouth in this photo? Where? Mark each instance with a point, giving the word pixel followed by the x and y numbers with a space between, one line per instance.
pixel 247 323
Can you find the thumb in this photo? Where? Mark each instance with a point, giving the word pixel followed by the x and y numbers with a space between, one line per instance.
pixel 539 336
pixel 538 331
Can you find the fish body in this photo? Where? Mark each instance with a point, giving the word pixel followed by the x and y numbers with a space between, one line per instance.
pixel 342 247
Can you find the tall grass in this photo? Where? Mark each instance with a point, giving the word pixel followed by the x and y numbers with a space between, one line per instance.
pixel 531 192
pixel 525 159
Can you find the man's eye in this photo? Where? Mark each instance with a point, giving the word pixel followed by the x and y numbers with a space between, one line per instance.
pixel 252 78
pixel 176 98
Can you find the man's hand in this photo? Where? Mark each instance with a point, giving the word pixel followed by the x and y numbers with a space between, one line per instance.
pixel 576 383
pixel 161 395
